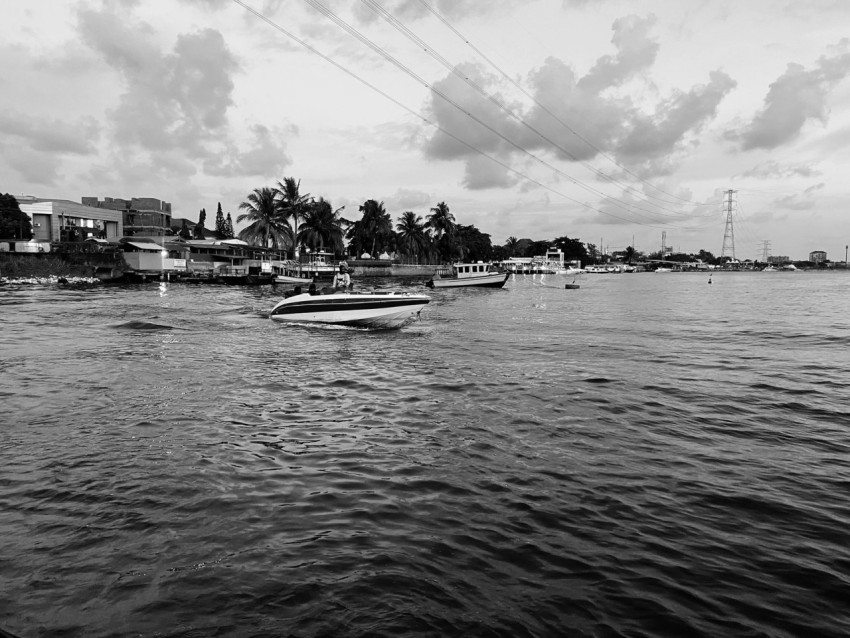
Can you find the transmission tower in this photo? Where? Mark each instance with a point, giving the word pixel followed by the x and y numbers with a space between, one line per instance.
pixel 765 250
pixel 729 233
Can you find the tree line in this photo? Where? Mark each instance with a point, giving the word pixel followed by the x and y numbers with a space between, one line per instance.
pixel 285 218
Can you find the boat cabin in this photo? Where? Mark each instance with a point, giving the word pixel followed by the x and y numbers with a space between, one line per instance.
pixel 463 271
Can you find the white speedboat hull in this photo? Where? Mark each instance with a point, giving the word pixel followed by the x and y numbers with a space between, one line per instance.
pixel 376 310
pixel 489 280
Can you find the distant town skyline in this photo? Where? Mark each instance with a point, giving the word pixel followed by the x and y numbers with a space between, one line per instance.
pixel 611 122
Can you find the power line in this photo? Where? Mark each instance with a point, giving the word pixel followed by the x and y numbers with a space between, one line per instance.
pixel 350 73
pixel 410 72
pixel 399 26
pixel 545 109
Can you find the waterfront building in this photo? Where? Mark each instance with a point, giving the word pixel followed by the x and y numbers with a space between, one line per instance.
pixel 817 256
pixel 145 216
pixel 61 220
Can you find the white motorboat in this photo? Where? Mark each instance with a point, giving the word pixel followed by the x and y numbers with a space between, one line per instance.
pixel 359 309
pixel 479 274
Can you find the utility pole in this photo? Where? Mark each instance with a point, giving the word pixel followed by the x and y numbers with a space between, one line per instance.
pixel 729 232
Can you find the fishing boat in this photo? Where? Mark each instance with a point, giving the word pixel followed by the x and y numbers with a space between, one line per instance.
pixel 479 274
pixel 375 309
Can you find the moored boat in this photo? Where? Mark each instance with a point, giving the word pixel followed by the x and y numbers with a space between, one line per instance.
pixel 376 310
pixel 479 274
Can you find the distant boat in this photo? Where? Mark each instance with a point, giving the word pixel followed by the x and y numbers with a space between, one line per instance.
pixel 572 286
pixel 479 275
pixel 663 269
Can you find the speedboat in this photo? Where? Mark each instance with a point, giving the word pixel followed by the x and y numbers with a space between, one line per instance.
pixel 358 309
pixel 478 274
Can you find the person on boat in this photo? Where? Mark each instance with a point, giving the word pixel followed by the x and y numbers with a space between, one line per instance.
pixel 312 289
pixel 342 279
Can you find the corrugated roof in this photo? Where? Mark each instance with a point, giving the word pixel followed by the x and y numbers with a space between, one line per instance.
pixel 140 246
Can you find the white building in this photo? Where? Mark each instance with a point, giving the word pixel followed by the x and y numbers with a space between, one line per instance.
pixel 64 220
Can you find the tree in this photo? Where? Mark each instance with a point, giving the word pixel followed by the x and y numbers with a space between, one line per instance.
pixel 199 227
pixel 511 246
pixel 706 257
pixel 573 249
pixel 220 228
pixel 411 235
pixel 14 223
pixel 443 224
pixel 538 248
pixel 228 227
pixel 474 245
pixel 323 226
pixel 374 229
pixel 630 254
pixel 292 205
pixel 185 233
pixel 267 227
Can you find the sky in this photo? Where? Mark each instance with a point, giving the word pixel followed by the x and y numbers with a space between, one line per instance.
pixel 616 122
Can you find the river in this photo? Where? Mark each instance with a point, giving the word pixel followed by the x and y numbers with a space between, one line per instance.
pixel 648 455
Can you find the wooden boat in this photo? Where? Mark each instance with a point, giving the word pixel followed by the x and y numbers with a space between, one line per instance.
pixel 377 310
pixel 479 274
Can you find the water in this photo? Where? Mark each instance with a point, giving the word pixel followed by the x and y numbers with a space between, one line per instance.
pixel 648 455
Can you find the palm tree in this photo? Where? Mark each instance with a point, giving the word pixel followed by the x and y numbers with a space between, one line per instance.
pixel 292 205
pixel 441 220
pixel 630 254
pixel 322 225
pixel 376 225
pixel 267 227
pixel 443 224
pixel 511 245
pixel 412 236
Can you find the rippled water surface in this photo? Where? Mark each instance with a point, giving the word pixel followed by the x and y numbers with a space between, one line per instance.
pixel 648 455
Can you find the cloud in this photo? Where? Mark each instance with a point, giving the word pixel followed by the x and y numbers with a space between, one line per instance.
pixel 406 199
pixel 175 100
pixel 51 136
pixel 482 172
pixel 797 96
pixel 574 118
pixel 772 169
pixel 266 156
pixel 800 201
pixel 34 166
pixel 658 135
pixel 449 9
pixel 635 52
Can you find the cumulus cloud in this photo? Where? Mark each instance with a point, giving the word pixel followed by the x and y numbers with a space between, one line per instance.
pixel 171 100
pixel 175 103
pixel 636 51
pixel 654 136
pixel 266 156
pixel 575 118
pixel 797 96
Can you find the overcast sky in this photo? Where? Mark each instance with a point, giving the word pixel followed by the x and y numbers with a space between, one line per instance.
pixel 609 121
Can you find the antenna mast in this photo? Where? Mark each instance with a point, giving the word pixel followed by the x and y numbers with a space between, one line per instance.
pixel 729 233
